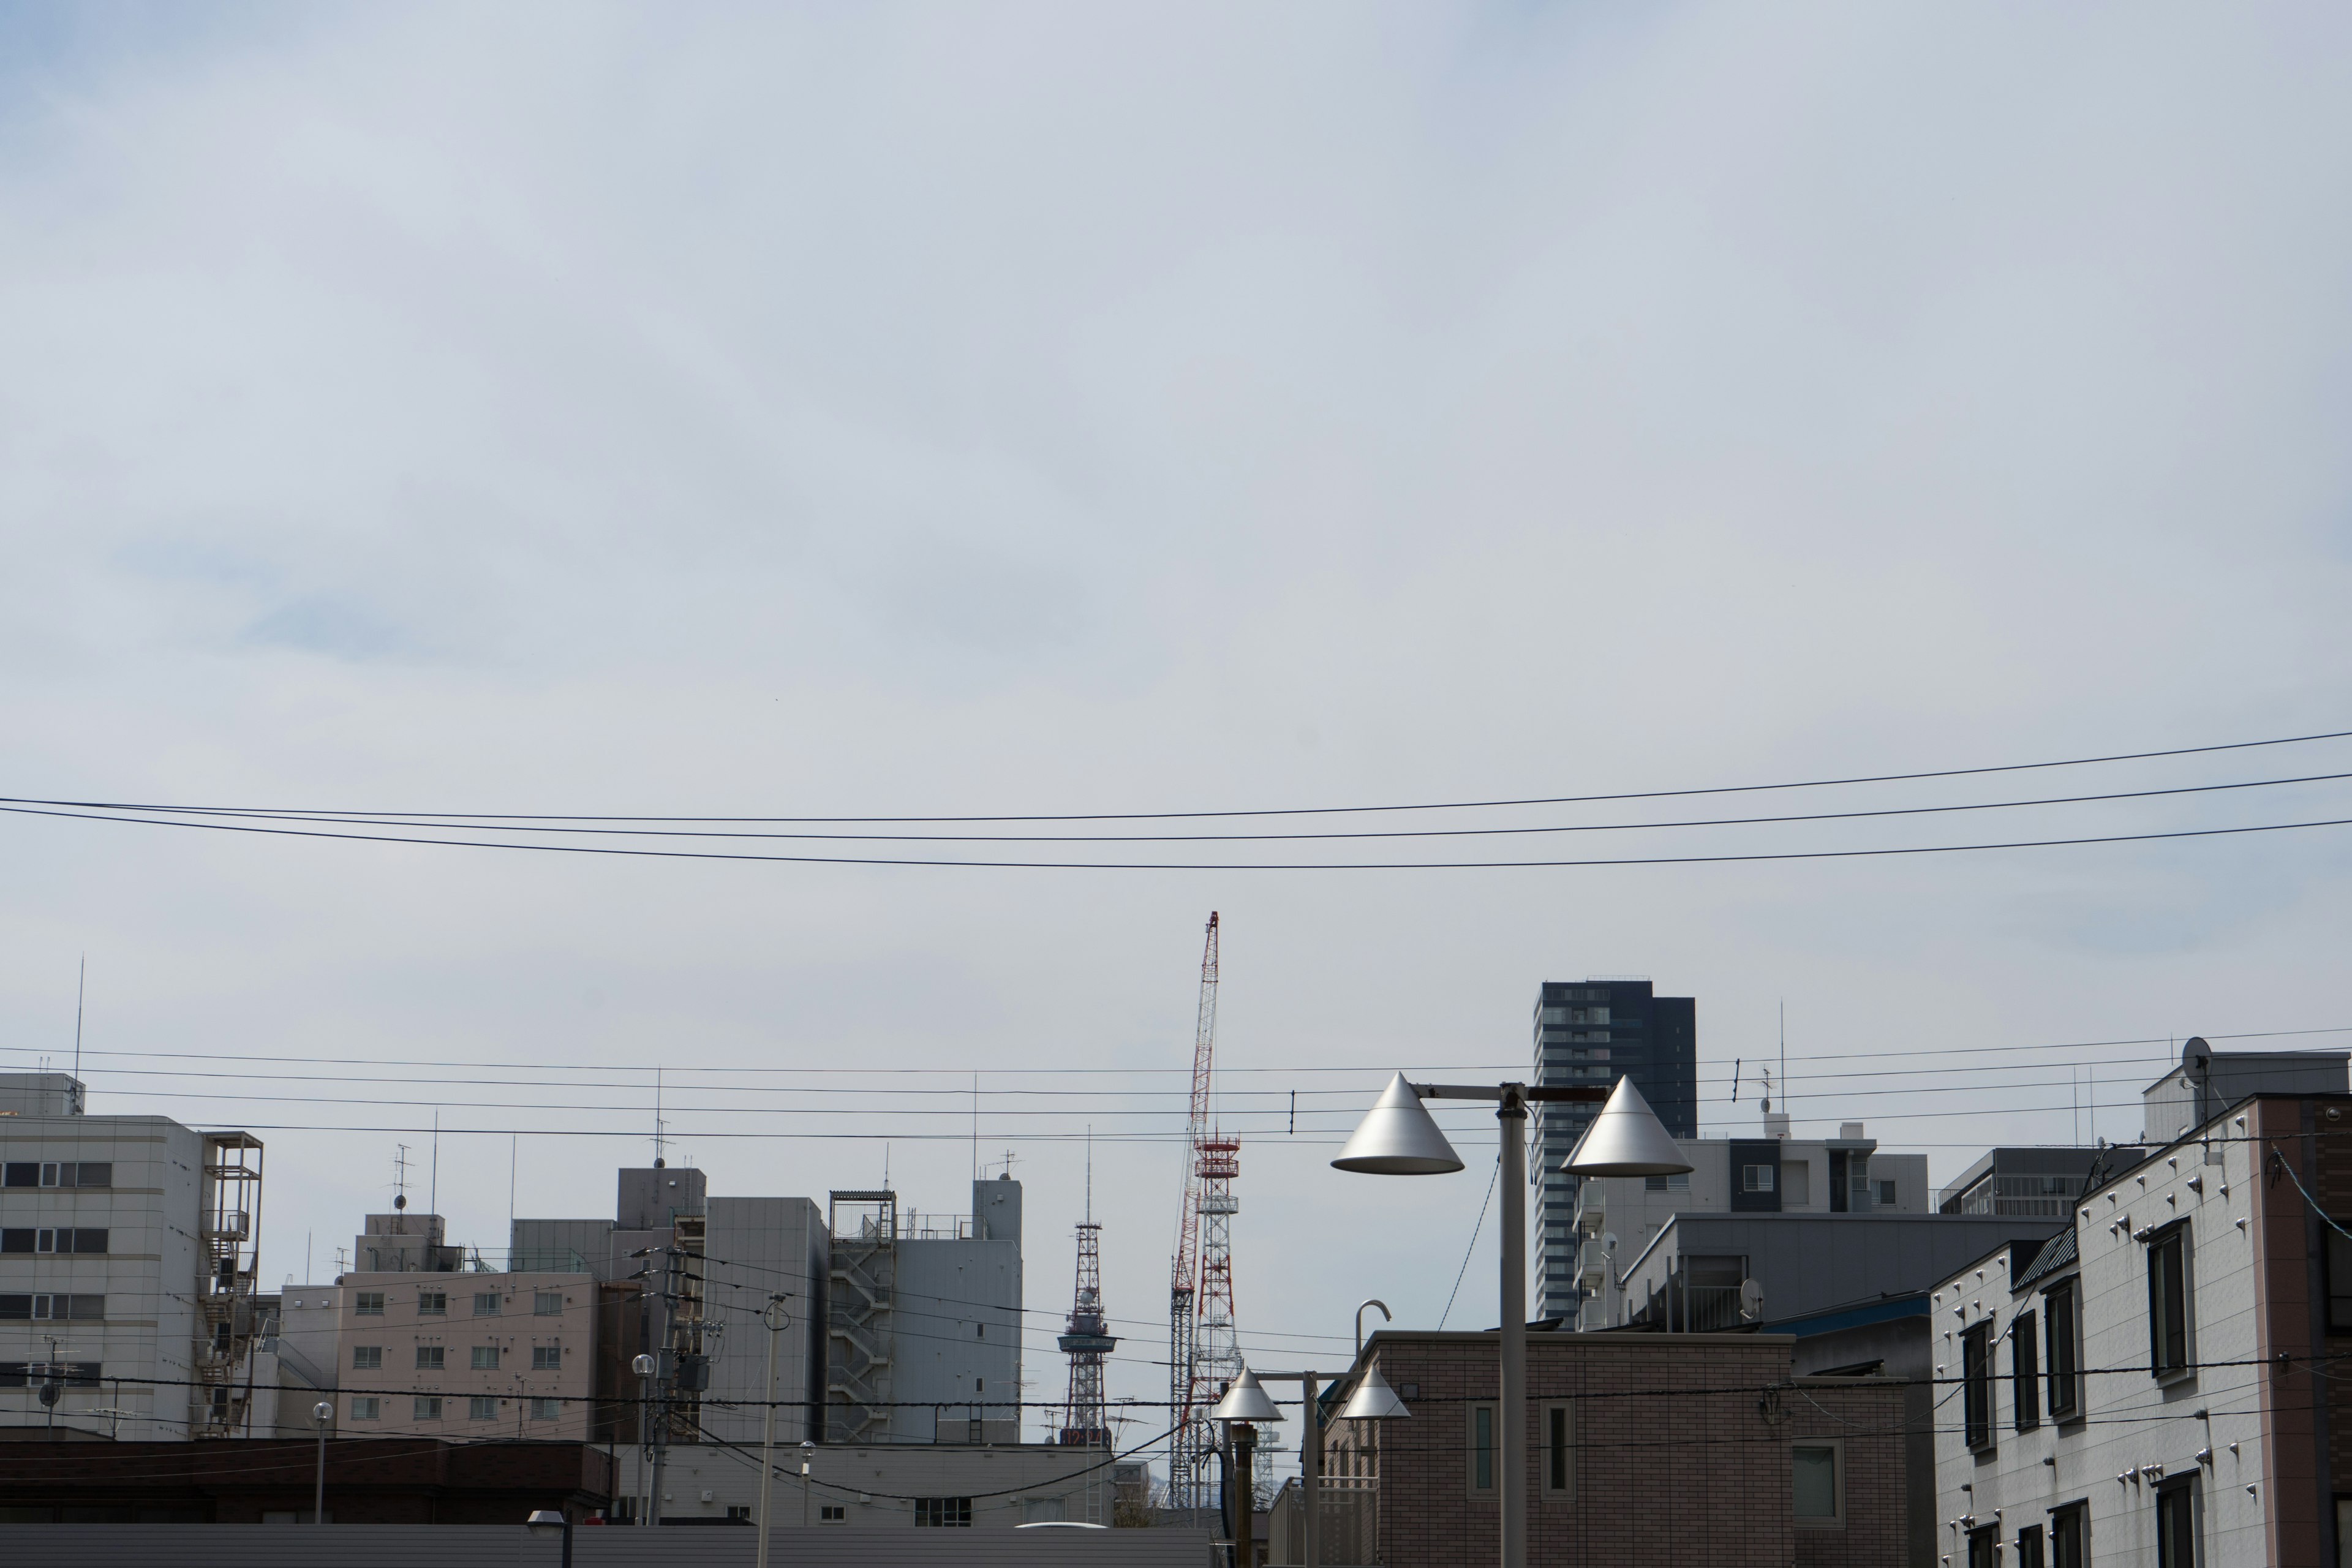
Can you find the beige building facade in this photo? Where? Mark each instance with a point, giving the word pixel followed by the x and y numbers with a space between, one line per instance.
pixel 465 1355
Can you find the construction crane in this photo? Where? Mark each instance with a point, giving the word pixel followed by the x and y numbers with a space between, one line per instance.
pixel 1202 1351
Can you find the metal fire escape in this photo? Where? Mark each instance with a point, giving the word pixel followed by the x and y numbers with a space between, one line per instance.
pixel 859 1327
pixel 229 1219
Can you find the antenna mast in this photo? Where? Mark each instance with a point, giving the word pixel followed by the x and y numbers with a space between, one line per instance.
pixel 1087 1342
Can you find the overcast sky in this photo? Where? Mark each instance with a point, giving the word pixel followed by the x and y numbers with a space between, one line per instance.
pixel 863 410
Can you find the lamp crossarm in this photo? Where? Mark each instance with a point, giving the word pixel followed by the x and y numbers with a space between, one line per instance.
pixel 1549 1093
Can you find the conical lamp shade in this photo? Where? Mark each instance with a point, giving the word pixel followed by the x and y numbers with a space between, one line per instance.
pixel 1398 1137
pixel 1626 1140
pixel 1246 1401
pixel 1373 1400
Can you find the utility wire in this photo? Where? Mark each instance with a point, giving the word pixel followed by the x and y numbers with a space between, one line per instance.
pixel 467 822
pixel 747 858
pixel 1279 811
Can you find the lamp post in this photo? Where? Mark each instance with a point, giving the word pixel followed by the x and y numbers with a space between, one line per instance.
pixel 546 1521
pixel 1244 1406
pixel 808 1451
pixel 644 1366
pixel 321 1413
pixel 776 1318
pixel 1398 1137
pixel 1365 1404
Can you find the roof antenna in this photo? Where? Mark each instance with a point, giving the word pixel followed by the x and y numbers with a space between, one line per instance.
pixel 658 1161
pixel 399 1177
pixel 82 985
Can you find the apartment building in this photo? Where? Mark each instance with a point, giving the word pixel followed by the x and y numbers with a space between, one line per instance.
pixel 465 1355
pixel 1618 1219
pixel 127 1268
pixel 2159 1382
pixel 1591 1032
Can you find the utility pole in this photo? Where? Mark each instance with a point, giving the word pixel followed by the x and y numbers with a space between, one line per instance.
pixel 777 1319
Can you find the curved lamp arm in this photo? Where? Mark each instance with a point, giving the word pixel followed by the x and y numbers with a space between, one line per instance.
pixel 1386 1317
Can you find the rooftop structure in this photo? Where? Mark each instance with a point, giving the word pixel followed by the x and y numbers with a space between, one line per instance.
pixel 1617 1217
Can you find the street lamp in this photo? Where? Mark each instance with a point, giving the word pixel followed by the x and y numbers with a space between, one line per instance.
pixel 323 1413
pixel 1399 1138
pixel 1243 1405
pixel 547 1521
pixel 777 1319
pixel 1364 1406
pixel 808 1451
pixel 644 1366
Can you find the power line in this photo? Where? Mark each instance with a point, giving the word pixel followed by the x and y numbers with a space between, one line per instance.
pixel 468 822
pixel 742 857
pixel 1275 811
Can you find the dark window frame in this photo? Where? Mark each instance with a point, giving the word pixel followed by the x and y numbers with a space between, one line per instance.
pixel 2061 1317
pixel 2070 1535
pixel 2024 1373
pixel 2177 1529
pixel 2030 1548
pixel 2170 1331
pixel 1977 1414
pixel 2338 1264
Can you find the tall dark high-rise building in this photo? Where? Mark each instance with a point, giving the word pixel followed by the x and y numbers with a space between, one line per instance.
pixel 1596 1032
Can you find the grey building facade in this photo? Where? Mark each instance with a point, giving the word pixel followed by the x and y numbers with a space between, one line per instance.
pixel 1594 1032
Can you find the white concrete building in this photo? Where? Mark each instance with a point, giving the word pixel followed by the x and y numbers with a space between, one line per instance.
pixel 2158 1383
pixel 126 1268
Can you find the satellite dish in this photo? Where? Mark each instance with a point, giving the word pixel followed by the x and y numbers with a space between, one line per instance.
pixel 1608 1241
pixel 1751 1299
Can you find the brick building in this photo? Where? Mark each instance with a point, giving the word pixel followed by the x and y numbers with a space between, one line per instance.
pixel 1640 1449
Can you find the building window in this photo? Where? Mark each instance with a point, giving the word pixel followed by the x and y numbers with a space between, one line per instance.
pixel 832 1513
pixel 2029 1547
pixel 738 1513
pixel 430 1358
pixel 547 1303
pixel 2167 1302
pixel 1820 1496
pixel 47 1308
pixel 2176 1526
pixel 1976 1387
pixel 1677 1183
pixel 58 1174
pixel 427 1408
pixel 368 1304
pixel 2065 1357
pixel 1887 1194
pixel 486 1358
pixel 433 1303
pixel 2339 1281
pixel 1558 1428
pixel 487 1304
pixel 947 1512
pixel 547 1358
pixel 1984 1548
pixel 1755 1178
pixel 482 1407
pixel 542 1409
pixel 2070 1536
pixel 1482 1447
pixel 366 1407
pixel 367 1358
pixel 2024 1373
